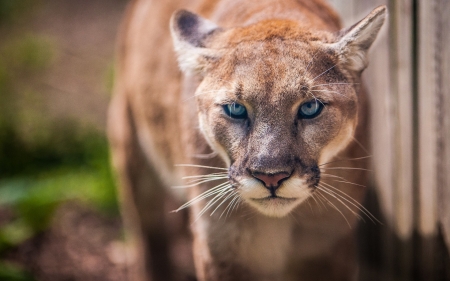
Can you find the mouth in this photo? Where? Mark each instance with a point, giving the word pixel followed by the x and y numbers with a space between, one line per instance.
pixel 274 206
pixel 277 203
pixel 274 198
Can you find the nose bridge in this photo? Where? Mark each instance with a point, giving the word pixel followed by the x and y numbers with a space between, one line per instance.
pixel 270 135
pixel 271 148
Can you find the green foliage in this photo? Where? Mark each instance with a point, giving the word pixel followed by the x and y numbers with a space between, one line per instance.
pixel 10 272
pixel 29 53
pixel 72 163
pixel 21 57
pixel 49 145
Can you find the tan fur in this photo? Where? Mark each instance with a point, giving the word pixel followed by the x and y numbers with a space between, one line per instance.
pixel 271 57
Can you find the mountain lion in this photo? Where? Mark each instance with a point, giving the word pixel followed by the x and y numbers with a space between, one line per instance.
pixel 261 138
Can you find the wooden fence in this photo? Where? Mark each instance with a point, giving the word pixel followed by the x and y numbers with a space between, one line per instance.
pixel 409 84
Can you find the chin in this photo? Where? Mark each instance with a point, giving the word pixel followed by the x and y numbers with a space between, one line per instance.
pixel 275 207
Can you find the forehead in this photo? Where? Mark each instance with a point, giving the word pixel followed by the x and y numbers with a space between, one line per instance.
pixel 280 67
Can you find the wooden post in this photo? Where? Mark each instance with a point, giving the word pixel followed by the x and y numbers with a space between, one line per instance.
pixel 443 92
pixel 408 80
pixel 428 117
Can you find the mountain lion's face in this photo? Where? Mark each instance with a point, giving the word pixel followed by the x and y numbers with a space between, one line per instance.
pixel 275 102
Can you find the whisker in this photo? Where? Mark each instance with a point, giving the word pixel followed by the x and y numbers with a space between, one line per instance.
pixel 229 204
pixel 337 196
pixel 346 168
pixel 250 214
pixel 294 218
pixel 233 206
pixel 223 201
pixel 324 72
pixel 360 145
pixel 334 195
pixel 197 199
pixel 311 61
pixel 319 200
pixel 340 83
pixel 359 205
pixel 336 92
pixel 200 181
pixel 346 159
pixel 307 200
pixel 352 183
pixel 213 201
pixel 316 99
pixel 334 206
pixel 227 209
pixel 205 176
pixel 203 195
pixel 197 182
pixel 200 166
pixel 205 156
pixel 341 178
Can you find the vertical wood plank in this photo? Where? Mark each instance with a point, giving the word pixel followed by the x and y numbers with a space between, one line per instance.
pixel 389 82
pixel 409 97
pixel 402 67
pixel 443 90
pixel 382 115
pixel 427 104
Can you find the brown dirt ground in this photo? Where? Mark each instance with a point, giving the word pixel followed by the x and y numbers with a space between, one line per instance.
pixel 80 245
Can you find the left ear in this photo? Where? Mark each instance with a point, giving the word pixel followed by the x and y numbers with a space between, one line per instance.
pixel 354 42
pixel 190 33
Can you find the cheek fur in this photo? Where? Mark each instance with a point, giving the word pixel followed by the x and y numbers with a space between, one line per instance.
pixel 229 134
pixel 212 139
pixel 317 135
pixel 341 141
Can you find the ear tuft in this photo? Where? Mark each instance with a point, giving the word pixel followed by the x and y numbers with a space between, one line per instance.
pixel 190 33
pixel 354 42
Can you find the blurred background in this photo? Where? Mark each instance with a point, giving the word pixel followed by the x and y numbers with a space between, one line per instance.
pixel 59 218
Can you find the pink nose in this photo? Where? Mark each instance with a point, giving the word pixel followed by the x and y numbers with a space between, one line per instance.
pixel 271 180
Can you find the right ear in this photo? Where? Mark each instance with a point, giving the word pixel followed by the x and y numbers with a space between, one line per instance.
pixel 190 34
pixel 354 42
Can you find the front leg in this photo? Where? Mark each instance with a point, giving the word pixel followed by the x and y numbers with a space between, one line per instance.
pixel 321 257
pixel 243 246
pixel 144 198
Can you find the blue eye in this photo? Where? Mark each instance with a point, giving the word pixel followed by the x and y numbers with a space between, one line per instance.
pixel 235 110
pixel 310 109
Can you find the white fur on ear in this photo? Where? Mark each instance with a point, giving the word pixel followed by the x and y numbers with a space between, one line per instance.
pixel 354 42
pixel 189 33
